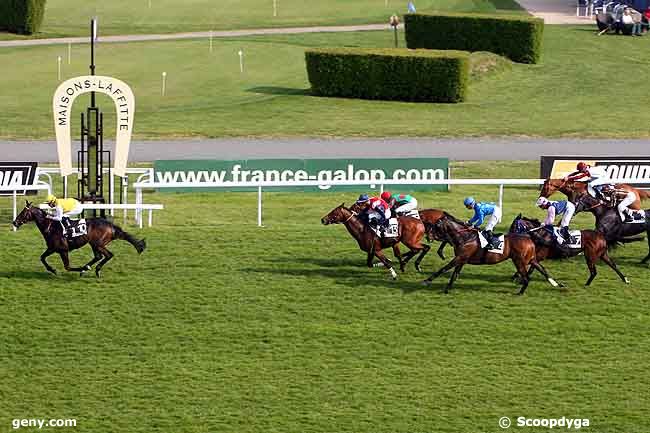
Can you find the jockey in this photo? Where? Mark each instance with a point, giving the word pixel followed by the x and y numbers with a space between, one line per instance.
pixel 400 203
pixel 63 208
pixel 597 177
pixel 553 208
pixel 378 209
pixel 481 210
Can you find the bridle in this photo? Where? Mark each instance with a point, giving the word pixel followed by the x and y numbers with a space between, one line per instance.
pixel 352 215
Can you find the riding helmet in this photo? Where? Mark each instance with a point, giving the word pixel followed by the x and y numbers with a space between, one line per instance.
pixel 386 195
pixel 469 201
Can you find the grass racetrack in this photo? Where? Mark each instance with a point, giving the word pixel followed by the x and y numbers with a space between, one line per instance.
pixel 221 326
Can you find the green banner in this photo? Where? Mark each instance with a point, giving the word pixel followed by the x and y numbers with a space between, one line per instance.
pixel 373 171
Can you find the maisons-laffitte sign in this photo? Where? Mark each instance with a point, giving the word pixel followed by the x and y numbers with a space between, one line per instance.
pixel 124 101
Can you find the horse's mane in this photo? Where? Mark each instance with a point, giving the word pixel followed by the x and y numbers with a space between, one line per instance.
pixel 532 220
pixel 453 218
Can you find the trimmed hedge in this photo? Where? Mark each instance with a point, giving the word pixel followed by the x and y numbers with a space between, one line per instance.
pixel 21 16
pixel 389 74
pixel 518 38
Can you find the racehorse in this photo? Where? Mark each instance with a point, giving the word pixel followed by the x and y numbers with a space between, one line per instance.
pixel 467 247
pixel 593 244
pixel 609 223
pixel 99 234
pixel 431 216
pixel 411 232
pixel 573 189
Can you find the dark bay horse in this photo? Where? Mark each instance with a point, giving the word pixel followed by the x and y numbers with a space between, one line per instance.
pixel 411 232
pixel 99 234
pixel 609 223
pixel 573 189
pixel 467 247
pixel 593 245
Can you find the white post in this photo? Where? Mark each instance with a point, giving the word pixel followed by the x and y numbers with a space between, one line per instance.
pixel 164 78
pixel 125 186
pixel 501 197
pixel 241 61
pixel 138 201
pixel 386 3
pixel 58 62
pixel 15 210
pixel 150 217
pixel 65 186
pixel 69 52
pixel 259 206
pixel 112 193
pixel 210 40
pixel 149 4
pixel 381 189
pixel 275 8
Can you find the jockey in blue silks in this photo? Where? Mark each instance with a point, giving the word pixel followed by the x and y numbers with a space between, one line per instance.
pixel 482 211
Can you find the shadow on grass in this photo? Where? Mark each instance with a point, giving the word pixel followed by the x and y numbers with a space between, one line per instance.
pixel 27 275
pixel 272 90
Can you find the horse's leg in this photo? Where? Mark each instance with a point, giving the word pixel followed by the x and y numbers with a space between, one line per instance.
pixel 441 248
pixel 646 258
pixel 398 254
pixel 98 256
pixel 382 258
pixel 591 264
pixel 107 256
pixel 66 262
pixel 452 264
pixel 535 265
pixel 605 258
pixel 44 256
pixel 454 275
pixel 424 252
pixel 522 269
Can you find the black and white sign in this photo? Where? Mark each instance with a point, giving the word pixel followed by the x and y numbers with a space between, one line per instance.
pixel 17 173
pixel 556 167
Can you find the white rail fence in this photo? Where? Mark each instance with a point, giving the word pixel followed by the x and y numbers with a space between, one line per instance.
pixel 140 186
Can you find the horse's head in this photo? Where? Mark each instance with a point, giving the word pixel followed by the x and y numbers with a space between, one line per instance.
pixel 517 226
pixel 585 202
pixel 521 224
pixel 338 215
pixel 551 186
pixel 435 230
pixel 26 215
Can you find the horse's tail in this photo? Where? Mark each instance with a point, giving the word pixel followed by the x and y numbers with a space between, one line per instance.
pixel 139 245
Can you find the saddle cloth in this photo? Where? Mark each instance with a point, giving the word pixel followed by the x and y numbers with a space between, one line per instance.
pixel 77 228
pixel 575 238
pixel 389 232
pixel 497 242
pixel 638 216
pixel 413 214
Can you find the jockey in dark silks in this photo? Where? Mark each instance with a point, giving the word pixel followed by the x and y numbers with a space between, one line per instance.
pixel 378 211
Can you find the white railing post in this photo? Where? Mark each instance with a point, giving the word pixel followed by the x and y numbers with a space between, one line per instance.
pixel 125 190
pixel 65 186
pixel 15 210
pixel 501 197
pixel 259 206
pixel 112 192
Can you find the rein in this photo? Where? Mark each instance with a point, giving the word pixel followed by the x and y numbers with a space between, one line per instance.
pixel 352 215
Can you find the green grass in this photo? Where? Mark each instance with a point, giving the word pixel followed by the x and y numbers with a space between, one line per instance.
pixel 571 93
pixel 72 17
pixel 221 326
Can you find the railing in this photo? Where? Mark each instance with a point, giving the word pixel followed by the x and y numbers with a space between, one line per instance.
pixel 139 186
pixel 136 207
pixel 14 190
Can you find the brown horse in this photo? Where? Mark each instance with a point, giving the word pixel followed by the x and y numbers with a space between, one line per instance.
pixel 411 232
pixel 593 244
pixel 431 216
pixel 467 247
pixel 99 234
pixel 573 189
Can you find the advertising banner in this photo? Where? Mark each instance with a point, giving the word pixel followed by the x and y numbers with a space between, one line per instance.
pixel 372 171
pixel 17 173
pixel 556 167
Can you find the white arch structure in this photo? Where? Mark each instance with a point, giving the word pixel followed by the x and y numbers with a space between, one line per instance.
pixel 62 102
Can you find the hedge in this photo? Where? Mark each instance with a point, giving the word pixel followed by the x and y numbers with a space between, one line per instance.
pixel 518 38
pixel 389 74
pixel 21 16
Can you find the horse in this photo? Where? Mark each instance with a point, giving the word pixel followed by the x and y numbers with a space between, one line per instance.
pixel 593 245
pixel 573 189
pixel 467 248
pixel 608 222
pixel 411 232
pixel 431 216
pixel 100 233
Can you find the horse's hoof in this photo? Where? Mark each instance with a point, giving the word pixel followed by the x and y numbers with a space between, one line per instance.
pixel 627 280
pixel 418 269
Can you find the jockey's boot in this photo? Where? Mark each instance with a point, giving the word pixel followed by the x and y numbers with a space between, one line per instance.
pixel 564 232
pixel 489 237
pixel 627 218
pixel 65 224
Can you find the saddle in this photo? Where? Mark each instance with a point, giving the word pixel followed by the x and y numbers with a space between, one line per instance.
pixel 413 214
pixel 575 238
pixel 74 228
pixel 497 242
pixel 389 231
